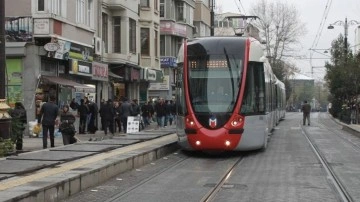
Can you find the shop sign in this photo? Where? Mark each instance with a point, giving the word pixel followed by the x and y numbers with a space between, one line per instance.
pixel 41 26
pixel 165 85
pixel 150 75
pixel 100 71
pixel 168 61
pixel 135 74
pixel 171 28
pixel 80 67
pixel 51 47
pixel 81 52
pixel 62 51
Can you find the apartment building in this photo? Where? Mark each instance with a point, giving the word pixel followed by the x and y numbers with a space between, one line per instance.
pixel 179 20
pixel 49 51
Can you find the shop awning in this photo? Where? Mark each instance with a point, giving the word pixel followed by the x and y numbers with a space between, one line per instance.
pixel 115 75
pixel 68 83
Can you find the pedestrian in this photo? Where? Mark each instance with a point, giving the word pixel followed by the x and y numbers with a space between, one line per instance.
pixel 160 111
pixel 73 104
pixel 135 107
pixel 102 103
pixel 145 112
pixel 108 114
pixel 83 111
pixel 66 127
pixel 306 109
pixel 117 105
pixel 93 111
pixel 18 115
pixel 126 110
pixel 48 115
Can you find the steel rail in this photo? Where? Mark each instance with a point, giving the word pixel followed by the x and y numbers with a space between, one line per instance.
pixel 339 188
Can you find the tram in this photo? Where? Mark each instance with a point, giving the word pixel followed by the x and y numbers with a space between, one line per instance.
pixel 227 96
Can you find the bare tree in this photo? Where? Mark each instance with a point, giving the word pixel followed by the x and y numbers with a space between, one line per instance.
pixel 281 27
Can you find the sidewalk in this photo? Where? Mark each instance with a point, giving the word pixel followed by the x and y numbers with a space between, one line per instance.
pixel 35 143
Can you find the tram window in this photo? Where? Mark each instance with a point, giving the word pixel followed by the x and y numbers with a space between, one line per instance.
pixel 254 96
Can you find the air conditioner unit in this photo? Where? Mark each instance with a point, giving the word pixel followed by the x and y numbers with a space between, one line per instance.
pixel 98 46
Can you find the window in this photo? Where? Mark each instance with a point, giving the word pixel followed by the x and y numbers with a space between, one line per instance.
pixel 132 36
pixel 254 96
pixel 55 7
pixel 80 11
pixel 117 34
pixel 156 5
pixel 162 8
pixel 85 12
pixel 180 11
pixel 144 3
pixel 41 5
pixel 105 31
pixel 162 45
pixel 145 42
pixel 89 15
pixel 156 44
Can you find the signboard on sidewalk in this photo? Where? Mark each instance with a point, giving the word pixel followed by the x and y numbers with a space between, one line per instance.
pixel 133 123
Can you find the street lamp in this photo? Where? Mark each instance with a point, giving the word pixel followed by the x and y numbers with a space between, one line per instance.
pixel 346 25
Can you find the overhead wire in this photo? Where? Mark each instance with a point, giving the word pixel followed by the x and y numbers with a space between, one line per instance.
pixel 237 6
pixel 242 7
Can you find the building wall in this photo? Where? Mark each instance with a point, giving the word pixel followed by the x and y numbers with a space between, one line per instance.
pixel 17 8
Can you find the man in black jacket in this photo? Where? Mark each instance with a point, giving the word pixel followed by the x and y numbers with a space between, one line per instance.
pixel 48 113
pixel 108 114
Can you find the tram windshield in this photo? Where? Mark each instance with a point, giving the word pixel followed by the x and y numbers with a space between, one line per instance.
pixel 214 81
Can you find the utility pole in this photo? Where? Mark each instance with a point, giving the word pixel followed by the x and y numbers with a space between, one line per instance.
pixel 212 18
pixel 2 49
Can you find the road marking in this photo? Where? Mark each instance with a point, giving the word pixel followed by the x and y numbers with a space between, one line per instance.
pixel 7 184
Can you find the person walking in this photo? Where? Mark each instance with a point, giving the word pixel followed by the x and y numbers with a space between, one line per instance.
pixel 83 111
pixel 306 109
pixel 160 110
pixel 126 110
pixel 145 112
pixel 67 128
pixel 18 115
pixel 48 114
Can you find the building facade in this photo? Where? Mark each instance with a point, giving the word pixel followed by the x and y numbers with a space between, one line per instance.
pixel 179 20
pixel 49 50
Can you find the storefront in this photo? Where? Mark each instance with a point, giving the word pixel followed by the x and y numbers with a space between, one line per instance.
pixel 154 79
pixel 128 85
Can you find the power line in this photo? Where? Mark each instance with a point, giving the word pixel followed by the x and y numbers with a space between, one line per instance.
pixel 237 6
pixel 322 24
pixel 242 7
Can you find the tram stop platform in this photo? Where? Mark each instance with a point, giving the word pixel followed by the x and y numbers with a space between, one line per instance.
pixel 55 173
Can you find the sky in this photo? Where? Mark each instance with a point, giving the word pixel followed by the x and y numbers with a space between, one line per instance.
pixel 311 13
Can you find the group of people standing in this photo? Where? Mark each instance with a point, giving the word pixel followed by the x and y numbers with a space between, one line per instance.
pixel 114 116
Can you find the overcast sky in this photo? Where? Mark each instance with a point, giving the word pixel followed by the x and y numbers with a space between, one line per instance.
pixel 311 13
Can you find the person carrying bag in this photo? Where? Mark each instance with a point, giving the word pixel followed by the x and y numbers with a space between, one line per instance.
pixel 67 127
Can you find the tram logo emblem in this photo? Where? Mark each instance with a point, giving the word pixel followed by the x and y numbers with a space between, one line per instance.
pixel 212 121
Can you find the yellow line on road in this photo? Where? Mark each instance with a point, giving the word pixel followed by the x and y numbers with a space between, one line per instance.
pixel 7 184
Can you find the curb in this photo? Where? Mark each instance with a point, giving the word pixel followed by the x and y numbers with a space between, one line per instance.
pixel 64 184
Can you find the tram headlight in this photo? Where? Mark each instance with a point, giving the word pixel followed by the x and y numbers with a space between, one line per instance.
pixel 190 123
pixel 198 143
pixel 237 121
pixel 227 143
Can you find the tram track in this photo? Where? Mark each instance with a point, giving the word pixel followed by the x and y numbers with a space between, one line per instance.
pixel 213 192
pixel 338 186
